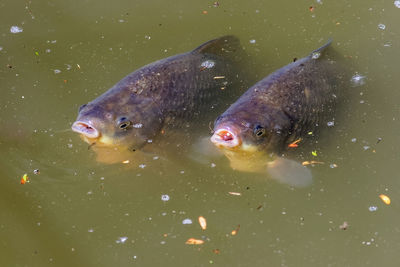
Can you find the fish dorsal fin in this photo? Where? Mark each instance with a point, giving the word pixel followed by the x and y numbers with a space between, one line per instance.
pixel 317 52
pixel 220 46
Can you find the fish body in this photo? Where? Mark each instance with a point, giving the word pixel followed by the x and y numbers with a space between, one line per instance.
pixel 162 94
pixel 278 110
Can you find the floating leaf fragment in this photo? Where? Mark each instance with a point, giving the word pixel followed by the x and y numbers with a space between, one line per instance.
pixel 125 162
pixel 193 241
pixel 305 163
pixel 219 77
pixel 234 232
pixel 216 251
pixel 314 153
pixel 385 199
pixel 295 143
pixel 235 193
pixel 344 226
pixel 78 66
pixel 203 222
pixel 36 53
pixel 25 179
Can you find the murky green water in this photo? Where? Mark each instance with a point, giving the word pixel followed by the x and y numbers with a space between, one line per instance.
pixel 78 212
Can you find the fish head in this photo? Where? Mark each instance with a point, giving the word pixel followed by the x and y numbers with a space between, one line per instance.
pixel 248 137
pixel 118 120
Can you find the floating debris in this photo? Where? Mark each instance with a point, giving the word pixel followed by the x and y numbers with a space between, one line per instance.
pixel 252 41
pixel 125 161
pixel 25 179
pixel 213 165
pixel 16 29
pixel 193 241
pixel 219 77
pixel 36 171
pixel 164 197
pixel 373 208
pixel 397 3
pixel 137 125
pixel 203 222
pixel 330 123
pixel 234 232
pixel 381 26
pixel 187 221
pixel 57 71
pixel 235 193
pixel 333 165
pixel 311 8
pixel 305 163
pixel 142 166
pixel 385 199
pixel 344 226
pixel 121 240
pixel 216 251
pixel 295 143
pixel 314 153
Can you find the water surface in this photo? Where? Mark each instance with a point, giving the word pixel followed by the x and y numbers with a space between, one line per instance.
pixel 79 212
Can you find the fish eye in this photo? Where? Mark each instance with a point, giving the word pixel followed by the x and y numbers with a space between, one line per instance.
pixel 259 131
pixel 81 107
pixel 123 123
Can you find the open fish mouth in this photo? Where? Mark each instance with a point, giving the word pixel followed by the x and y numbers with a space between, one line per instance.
pixel 86 129
pixel 225 138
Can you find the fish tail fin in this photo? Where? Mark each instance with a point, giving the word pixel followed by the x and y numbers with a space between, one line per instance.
pixel 222 46
pixel 318 51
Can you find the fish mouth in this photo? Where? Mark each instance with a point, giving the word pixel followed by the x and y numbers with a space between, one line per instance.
pixel 226 138
pixel 86 129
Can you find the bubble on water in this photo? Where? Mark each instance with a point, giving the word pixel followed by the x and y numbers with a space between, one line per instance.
pixel 213 165
pixel 208 64
pixel 142 166
pixel 1 48
pixel 373 208
pixel 48 50
pixel 155 158
pixel 121 240
pixel 137 125
pixel 357 79
pixel 353 140
pixel 16 29
pixel 333 165
pixel 57 71
pixel 187 221
pixel 381 26
pixel 252 41
pixel 121 20
pixel 397 3
pixel 366 147
pixel 331 123
pixel 91 230
pixel 164 198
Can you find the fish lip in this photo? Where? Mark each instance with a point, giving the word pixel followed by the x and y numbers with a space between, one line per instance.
pixel 218 138
pixel 85 128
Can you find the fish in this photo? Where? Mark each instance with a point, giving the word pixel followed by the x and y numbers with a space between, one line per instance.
pixel 162 95
pixel 256 130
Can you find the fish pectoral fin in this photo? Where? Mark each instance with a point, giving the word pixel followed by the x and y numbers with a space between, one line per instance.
pixel 289 172
pixel 220 46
